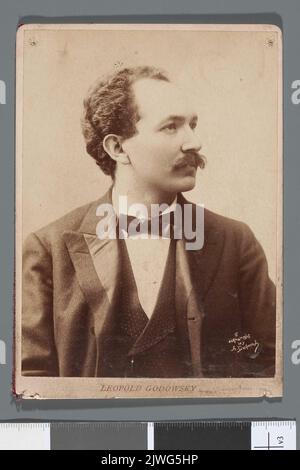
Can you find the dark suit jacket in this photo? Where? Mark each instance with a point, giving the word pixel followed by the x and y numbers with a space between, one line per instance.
pixel 70 280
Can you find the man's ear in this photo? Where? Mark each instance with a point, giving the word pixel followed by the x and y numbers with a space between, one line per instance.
pixel 112 145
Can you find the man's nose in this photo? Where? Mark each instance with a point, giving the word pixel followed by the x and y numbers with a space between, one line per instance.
pixel 191 142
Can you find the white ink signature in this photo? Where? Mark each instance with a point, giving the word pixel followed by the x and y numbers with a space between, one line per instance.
pixel 241 343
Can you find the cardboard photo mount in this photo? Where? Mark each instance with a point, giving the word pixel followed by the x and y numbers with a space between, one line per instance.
pixel 59 50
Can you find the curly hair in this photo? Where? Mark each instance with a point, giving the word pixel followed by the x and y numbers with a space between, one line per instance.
pixel 110 108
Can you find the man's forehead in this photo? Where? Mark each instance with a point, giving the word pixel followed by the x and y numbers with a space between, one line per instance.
pixel 158 99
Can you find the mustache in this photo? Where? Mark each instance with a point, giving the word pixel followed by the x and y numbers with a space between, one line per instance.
pixel 194 159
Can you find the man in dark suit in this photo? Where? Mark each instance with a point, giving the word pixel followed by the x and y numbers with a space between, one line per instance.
pixel 133 307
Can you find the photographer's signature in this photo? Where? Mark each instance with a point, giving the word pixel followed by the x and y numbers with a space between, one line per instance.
pixel 243 343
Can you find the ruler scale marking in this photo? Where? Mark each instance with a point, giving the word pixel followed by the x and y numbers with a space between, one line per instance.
pixel 181 435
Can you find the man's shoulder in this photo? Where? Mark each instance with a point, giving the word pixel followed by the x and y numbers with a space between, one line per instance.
pixel 218 227
pixel 235 233
pixel 215 221
pixel 219 223
pixel 71 221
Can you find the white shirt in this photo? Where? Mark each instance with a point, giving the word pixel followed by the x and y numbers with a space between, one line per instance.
pixel 148 260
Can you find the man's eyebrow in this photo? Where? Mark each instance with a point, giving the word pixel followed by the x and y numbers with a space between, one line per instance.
pixel 177 117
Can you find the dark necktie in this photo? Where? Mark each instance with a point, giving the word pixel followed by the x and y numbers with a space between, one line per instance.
pixel 162 226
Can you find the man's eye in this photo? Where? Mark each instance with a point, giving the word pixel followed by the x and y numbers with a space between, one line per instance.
pixel 193 125
pixel 170 127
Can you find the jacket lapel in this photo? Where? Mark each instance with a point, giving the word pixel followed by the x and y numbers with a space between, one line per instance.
pixel 203 264
pixel 195 272
pixel 96 264
pixel 189 308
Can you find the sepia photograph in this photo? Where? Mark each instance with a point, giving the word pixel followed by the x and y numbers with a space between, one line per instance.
pixel 148 258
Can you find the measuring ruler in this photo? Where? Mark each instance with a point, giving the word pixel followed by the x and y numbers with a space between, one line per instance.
pixel 179 435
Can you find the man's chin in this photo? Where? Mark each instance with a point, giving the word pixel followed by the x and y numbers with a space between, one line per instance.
pixel 178 185
pixel 186 184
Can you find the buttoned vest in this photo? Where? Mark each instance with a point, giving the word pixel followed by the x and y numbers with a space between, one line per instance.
pixel 135 346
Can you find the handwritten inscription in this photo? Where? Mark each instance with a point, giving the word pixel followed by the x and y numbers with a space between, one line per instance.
pixel 243 343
